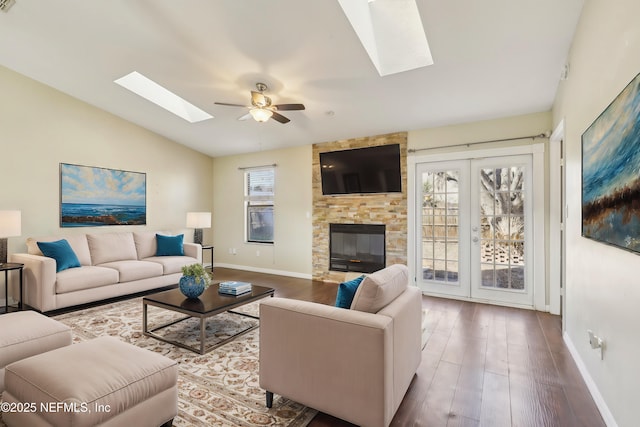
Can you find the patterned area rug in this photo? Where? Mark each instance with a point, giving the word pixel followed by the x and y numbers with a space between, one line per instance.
pixel 219 388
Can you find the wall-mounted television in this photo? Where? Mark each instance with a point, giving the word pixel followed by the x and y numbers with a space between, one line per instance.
pixel 361 170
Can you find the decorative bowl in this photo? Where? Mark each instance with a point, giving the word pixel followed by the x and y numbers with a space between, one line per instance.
pixel 191 286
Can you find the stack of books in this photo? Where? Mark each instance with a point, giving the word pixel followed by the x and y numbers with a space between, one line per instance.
pixel 234 288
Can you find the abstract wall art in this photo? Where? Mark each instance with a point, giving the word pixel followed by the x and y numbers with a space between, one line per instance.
pixel 611 172
pixel 93 196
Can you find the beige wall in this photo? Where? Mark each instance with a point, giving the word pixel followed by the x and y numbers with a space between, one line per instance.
pixel 42 128
pixel 291 252
pixel 603 285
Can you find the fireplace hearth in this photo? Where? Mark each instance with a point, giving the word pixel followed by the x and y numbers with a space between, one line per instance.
pixel 357 247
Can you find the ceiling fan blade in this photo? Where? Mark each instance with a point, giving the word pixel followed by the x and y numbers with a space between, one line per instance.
pixel 231 105
pixel 245 116
pixel 289 107
pixel 280 118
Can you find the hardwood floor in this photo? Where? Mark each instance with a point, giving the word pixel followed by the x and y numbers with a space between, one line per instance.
pixel 483 365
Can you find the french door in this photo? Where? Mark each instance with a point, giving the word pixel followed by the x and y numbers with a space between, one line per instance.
pixel 474 219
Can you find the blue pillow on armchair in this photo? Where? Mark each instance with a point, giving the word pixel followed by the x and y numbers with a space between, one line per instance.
pixel 346 292
pixel 170 245
pixel 61 251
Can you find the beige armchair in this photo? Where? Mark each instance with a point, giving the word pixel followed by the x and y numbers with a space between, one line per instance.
pixel 355 364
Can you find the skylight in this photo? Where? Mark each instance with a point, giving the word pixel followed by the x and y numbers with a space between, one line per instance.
pixel 391 32
pixel 152 91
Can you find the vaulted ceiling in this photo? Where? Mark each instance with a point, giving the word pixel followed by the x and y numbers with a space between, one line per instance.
pixel 492 58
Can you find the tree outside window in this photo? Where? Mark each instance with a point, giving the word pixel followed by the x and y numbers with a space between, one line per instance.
pixel 259 193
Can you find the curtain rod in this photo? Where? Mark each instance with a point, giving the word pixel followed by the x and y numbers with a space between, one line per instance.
pixel 468 144
pixel 273 165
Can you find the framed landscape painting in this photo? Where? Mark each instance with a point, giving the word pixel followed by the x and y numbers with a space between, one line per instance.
pixel 93 196
pixel 611 172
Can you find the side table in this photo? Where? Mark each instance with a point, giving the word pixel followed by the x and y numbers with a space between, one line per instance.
pixel 7 267
pixel 207 248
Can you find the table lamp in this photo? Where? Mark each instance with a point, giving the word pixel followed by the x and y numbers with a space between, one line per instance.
pixel 10 226
pixel 198 221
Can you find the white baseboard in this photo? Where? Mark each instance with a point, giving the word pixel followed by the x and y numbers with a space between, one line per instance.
pixel 263 270
pixel 607 416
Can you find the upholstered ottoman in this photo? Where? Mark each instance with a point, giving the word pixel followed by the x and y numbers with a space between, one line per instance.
pixel 101 382
pixel 27 333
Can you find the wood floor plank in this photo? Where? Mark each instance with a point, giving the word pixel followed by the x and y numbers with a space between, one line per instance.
pixel 437 403
pixel 467 400
pixel 462 422
pixel 437 343
pixel 496 401
pixel 538 404
pixel 552 329
pixel 534 362
pixel 497 357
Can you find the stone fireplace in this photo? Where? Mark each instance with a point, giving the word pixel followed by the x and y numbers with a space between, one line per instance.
pixel 356 247
pixel 388 209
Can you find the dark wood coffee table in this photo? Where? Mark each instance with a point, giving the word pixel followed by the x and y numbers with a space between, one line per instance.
pixel 207 305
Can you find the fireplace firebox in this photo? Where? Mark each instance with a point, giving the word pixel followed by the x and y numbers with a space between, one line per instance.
pixel 357 247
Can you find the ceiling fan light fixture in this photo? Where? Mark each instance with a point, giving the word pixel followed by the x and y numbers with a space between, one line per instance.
pixel 261 114
pixel 262 109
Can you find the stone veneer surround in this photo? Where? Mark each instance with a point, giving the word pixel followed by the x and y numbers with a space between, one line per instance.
pixel 388 208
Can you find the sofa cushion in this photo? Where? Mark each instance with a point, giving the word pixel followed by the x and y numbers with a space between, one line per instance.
pixel 145 242
pixel 380 288
pixel 169 245
pixel 77 242
pixel 172 264
pixel 85 277
pixel 130 270
pixel 108 247
pixel 61 251
pixel 346 292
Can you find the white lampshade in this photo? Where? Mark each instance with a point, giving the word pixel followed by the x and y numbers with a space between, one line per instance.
pixel 10 223
pixel 198 219
pixel 261 114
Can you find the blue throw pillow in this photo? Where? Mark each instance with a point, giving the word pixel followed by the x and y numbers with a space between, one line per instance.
pixel 61 251
pixel 346 292
pixel 170 245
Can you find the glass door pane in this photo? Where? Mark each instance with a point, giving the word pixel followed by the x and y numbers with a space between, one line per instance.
pixel 440 212
pixel 502 222
pixel 441 256
pixel 501 228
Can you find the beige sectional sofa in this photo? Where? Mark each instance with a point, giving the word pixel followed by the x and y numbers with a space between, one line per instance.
pixel 112 265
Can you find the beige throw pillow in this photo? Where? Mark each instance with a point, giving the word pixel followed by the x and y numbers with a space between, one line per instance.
pixel 380 288
pixel 109 247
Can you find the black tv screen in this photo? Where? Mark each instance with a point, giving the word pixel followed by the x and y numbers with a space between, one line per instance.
pixel 361 170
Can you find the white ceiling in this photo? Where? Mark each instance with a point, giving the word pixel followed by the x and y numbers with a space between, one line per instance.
pixel 492 58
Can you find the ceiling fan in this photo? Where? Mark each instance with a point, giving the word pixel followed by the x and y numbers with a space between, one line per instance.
pixel 261 108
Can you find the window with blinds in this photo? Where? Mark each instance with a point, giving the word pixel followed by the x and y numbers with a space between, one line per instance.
pixel 258 199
